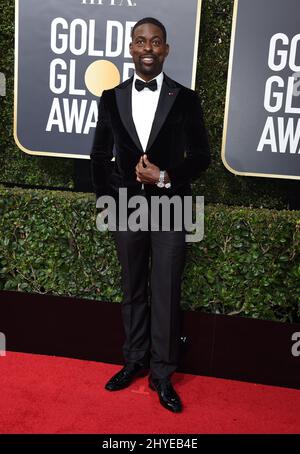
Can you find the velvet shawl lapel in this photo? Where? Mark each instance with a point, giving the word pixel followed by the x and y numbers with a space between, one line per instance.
pixel 168 94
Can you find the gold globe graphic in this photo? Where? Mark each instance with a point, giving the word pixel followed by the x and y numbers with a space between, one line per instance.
pixel 101 75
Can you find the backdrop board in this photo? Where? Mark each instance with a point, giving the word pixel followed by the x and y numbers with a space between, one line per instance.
pixel 262 126
pixel 68 52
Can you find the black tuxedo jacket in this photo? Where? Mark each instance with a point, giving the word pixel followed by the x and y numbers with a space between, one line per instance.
pixel 177 143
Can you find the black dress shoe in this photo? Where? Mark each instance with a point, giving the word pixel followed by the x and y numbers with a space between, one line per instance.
pixel 125 376
pixel 166 393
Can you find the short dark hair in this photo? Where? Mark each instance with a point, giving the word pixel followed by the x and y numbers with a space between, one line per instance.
pixel 151 20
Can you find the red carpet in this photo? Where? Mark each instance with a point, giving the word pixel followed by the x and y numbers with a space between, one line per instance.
pixel 41 394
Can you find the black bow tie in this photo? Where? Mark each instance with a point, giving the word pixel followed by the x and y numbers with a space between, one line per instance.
pixel 140 85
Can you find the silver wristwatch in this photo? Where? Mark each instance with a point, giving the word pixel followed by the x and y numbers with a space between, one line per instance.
pixel 161 182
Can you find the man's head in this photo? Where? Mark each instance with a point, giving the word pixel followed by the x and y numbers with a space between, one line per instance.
pixel 149 47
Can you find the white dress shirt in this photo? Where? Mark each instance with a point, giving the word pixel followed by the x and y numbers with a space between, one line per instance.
pixel 144 105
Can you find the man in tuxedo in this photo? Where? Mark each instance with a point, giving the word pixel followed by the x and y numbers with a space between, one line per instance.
pixel 154 127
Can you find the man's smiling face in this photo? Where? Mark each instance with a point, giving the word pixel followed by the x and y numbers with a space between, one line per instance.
pixel 148 50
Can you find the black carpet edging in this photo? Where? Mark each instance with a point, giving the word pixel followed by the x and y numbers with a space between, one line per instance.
pixel 214 345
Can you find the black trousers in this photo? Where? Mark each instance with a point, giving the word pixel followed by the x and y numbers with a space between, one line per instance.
pixel 152 264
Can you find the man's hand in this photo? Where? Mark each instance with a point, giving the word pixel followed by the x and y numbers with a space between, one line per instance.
pixel 147 172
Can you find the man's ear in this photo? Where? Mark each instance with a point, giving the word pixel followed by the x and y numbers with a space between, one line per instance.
pixel 167 49
pixel 130 48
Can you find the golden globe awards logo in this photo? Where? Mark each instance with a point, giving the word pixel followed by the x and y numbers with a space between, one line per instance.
pixel 261 135
pixel 281 132
pixel 78 48
pixel 75 112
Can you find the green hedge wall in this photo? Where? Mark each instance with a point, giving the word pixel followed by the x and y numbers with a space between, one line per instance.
pixel 218 185
pixel 247 264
